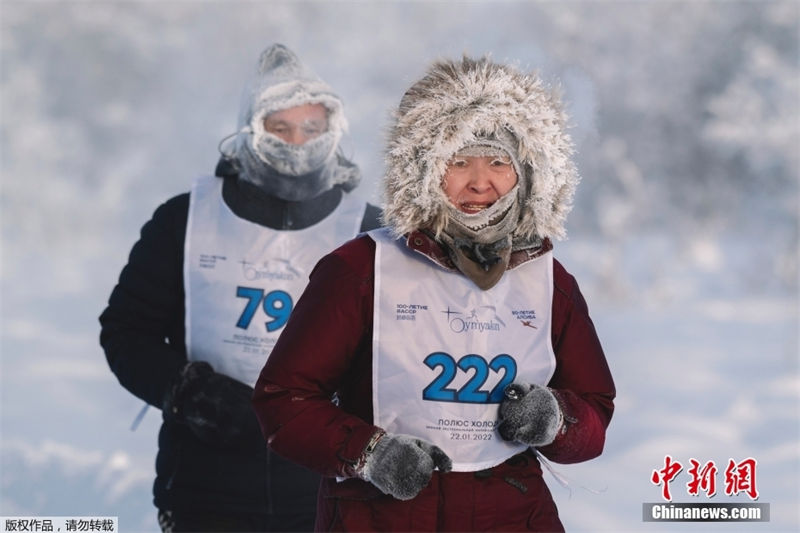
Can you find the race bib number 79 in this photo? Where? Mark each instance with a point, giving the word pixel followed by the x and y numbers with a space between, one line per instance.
pixel 277 305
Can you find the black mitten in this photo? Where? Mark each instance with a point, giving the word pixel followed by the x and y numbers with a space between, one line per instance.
pixel 215 407
pixel 402 465
pixel 529 414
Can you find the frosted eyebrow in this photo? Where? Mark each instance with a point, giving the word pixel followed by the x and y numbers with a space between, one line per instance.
pixel 272 122
pixel 315 123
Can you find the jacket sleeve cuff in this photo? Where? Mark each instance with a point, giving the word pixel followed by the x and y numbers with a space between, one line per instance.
pixel 581 436
pixel 356 448
pixel 566 415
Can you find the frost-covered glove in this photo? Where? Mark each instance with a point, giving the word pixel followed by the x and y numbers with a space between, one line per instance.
pixel 215 407
pixel 529 414
pixel 401 465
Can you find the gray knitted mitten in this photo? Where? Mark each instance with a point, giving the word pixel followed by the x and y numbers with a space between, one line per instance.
pixel 529 414
pixel 402 465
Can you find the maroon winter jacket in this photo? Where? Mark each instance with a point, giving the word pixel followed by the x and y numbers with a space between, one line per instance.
pixel 325 352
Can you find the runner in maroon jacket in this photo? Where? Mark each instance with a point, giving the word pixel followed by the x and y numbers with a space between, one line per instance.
pixel 428 363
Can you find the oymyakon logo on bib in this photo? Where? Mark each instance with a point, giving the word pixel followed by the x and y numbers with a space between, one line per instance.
pixel 271 269
pixel 481 319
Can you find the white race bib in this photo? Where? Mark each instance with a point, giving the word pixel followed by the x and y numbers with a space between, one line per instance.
pixel 444 350
pixel 242 279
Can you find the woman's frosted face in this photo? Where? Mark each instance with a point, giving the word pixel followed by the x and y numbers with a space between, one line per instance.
pixel 474 183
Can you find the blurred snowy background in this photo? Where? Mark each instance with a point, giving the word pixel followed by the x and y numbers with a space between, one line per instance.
pixel 684 237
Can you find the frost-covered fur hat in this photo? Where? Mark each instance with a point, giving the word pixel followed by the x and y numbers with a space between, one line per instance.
pixel 292 172
pixel 457 104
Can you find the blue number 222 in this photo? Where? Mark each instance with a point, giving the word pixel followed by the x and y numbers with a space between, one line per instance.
pixel 276 304
pixel 470 392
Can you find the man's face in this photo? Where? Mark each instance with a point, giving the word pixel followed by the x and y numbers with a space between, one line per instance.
pixel 474 183
pixel 299 124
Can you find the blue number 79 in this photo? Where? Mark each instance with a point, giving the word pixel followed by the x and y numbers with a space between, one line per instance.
pixel 276 304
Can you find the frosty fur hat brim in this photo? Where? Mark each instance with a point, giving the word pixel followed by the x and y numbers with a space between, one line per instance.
pixel 458 103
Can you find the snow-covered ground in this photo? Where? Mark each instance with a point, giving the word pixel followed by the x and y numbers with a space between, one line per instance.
pixel 684 237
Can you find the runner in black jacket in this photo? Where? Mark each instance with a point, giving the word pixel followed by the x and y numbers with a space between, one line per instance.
pixel 282 178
